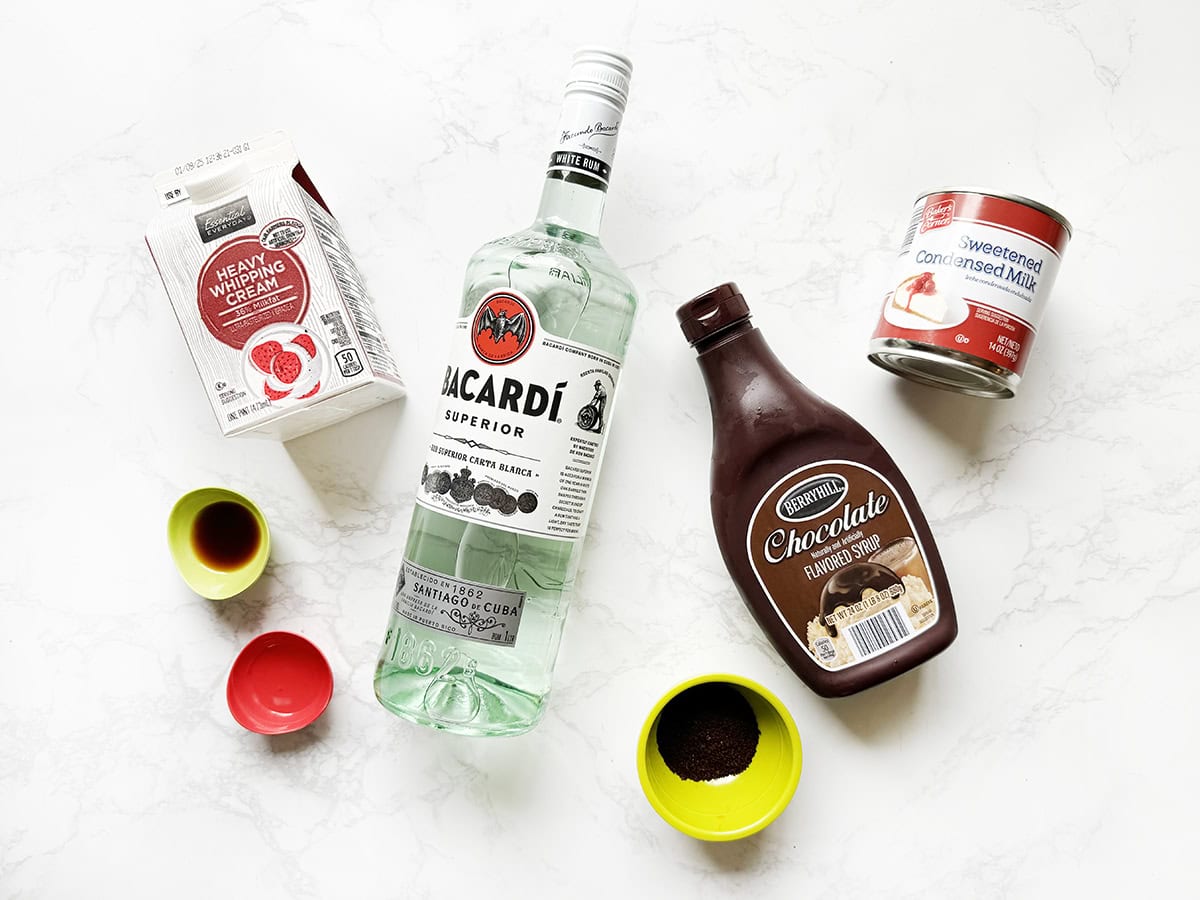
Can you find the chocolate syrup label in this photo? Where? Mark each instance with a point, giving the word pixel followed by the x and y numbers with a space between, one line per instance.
pixel 835 551
pixel 522 423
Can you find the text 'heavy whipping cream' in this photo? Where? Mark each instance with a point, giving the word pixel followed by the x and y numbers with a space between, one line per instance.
pixel 971 283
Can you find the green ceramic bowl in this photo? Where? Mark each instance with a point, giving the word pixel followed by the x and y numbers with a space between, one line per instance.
pixel 205 580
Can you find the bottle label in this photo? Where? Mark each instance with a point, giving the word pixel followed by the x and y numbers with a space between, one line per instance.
pixel 587 137
pixel 836 553
pixel 466 609
pixel 521 425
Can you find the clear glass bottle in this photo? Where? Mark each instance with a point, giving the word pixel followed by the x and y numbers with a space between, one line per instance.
pixel 505 495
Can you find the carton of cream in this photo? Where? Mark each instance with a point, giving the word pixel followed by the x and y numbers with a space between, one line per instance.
pixel 272 306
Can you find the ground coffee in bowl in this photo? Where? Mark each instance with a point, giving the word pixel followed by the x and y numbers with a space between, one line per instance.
pixel 708 732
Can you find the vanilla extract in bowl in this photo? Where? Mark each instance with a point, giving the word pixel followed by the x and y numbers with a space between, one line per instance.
pixel 226 536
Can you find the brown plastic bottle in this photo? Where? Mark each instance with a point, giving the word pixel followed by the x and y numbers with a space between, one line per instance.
pixel 818 528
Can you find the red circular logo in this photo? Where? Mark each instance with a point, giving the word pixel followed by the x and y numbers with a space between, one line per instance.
pixel 245 286
pixel 503 328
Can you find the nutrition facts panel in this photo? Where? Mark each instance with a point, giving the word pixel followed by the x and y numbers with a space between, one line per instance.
pixel 350 282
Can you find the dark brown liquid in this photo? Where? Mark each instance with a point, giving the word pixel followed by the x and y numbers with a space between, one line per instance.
pixel 225 536
pixel 765 425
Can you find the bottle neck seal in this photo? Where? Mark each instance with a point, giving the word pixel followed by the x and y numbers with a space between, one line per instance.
pixel 586 141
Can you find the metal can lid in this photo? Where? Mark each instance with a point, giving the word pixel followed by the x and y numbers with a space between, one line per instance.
pixel 1005 195
pixel 938 367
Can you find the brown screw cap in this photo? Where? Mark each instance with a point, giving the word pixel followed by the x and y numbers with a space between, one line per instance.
pixel 713 311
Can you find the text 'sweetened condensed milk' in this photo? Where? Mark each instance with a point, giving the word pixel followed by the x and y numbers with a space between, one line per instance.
pixel 271 303
pixel 973 276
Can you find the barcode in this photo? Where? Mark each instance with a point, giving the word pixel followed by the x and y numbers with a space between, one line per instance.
pixel 911 234
pixel 878 632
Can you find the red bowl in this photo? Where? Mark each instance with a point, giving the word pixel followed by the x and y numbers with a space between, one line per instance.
pixel 280 682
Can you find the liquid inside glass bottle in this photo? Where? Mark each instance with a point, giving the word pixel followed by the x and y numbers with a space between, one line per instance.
pixel 526 406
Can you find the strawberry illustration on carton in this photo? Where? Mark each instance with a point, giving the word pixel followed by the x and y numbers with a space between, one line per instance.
pixel 271 304
pixel 283 360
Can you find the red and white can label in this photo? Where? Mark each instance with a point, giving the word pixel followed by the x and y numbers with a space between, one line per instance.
pixel 973 275
pixel 245 286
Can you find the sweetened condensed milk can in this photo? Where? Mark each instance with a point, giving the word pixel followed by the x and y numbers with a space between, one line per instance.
pixel 971 283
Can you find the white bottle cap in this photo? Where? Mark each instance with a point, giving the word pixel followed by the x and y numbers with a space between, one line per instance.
pixel 601 71
pixel 212 187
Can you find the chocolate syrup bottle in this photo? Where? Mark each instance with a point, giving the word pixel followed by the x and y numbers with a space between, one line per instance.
pixel 818 528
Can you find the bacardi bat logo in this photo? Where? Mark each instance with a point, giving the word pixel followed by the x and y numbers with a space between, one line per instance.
pixel 503 327
pixel 499 324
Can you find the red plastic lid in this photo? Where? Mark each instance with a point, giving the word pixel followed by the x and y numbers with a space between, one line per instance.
pixel 280 682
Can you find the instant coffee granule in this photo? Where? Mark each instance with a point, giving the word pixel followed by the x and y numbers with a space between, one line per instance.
pixel 708 732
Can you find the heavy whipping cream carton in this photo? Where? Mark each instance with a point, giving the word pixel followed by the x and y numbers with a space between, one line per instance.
pixel 271 304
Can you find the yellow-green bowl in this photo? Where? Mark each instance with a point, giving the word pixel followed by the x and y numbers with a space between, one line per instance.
pixel 215 584
pixel 733 808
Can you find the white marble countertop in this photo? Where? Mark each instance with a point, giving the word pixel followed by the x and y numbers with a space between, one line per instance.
pixel 1049 752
